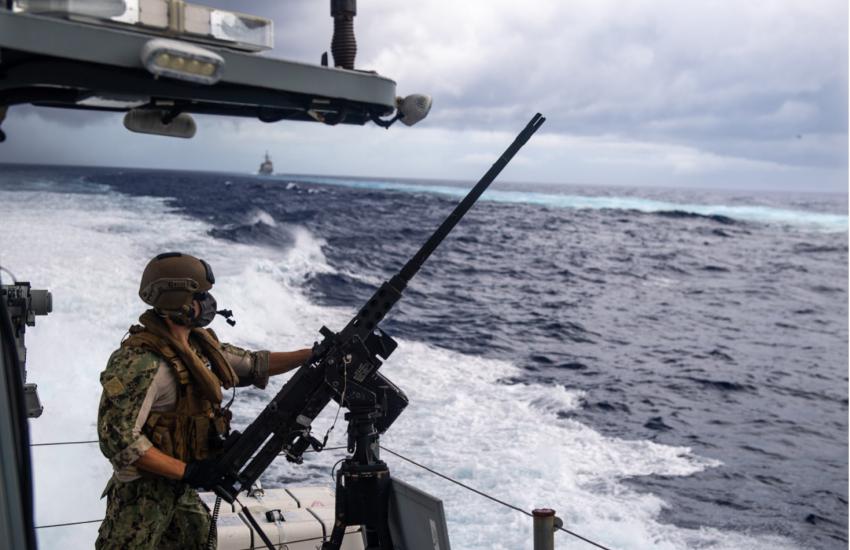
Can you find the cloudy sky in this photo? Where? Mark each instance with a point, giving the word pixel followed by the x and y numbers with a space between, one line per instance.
pixel 703 93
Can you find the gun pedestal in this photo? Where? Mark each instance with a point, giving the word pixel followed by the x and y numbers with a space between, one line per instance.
pixel 362 484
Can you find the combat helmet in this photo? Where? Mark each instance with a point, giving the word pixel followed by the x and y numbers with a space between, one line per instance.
pixel 171 281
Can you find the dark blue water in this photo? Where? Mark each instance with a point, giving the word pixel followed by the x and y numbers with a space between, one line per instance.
pixel 725 332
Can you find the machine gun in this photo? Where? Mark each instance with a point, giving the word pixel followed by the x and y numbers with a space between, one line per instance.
pixel 344 367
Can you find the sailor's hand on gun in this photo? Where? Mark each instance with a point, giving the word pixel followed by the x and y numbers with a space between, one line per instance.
pixel 199 473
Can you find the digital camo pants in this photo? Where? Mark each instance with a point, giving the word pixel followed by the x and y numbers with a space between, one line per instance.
pixel 153 514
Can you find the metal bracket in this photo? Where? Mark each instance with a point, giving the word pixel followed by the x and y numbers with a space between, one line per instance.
pixel 33 403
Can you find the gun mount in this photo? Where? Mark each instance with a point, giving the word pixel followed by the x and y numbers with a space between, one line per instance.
pixel 22 304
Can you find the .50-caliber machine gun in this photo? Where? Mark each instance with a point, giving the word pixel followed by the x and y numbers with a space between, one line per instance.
pixel 344 367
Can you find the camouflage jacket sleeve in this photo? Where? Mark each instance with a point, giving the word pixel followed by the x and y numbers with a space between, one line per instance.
pixel 252 367
pixel 126 381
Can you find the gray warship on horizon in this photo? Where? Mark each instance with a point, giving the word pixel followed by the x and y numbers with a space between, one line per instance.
pixel 266 167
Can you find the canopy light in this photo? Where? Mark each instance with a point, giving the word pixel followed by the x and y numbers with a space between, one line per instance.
pixel 171 17
pixel 160 123
pixel 183 61
pixel 410 110
pixel 413 108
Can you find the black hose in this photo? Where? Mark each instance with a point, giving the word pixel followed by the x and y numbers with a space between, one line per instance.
pixel 257 528
pixel 212 538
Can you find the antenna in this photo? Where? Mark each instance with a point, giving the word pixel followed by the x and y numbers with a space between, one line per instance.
pixel 343 43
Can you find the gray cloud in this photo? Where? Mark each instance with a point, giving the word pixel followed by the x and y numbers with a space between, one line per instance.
pixel 71 118
pixel 695 73
pixel 729 78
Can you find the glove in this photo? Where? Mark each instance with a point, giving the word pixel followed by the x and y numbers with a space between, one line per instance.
pixel 199 474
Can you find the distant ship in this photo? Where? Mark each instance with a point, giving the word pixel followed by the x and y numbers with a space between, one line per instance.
pixel 266 168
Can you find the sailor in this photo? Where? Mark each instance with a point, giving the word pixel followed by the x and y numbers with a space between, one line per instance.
pixel 161 421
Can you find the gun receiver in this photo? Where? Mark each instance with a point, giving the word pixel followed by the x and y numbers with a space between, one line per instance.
pixel 342 367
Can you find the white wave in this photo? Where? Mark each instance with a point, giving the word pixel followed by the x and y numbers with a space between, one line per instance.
pixel 763 214
pixel 505 439
pixel 261 216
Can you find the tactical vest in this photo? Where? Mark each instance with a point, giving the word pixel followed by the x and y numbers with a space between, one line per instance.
pixel 198 425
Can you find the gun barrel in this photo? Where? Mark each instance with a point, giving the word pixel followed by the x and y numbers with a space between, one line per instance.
pixel 412 267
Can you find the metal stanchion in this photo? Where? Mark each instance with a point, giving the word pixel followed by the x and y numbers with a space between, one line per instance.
pixel 544 529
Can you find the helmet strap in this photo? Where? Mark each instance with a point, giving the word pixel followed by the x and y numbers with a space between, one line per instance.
pixel 182 317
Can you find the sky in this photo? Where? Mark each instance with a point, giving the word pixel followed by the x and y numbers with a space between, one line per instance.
pixel 703 93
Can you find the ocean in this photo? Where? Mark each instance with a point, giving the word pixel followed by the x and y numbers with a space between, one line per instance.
pixel 666 368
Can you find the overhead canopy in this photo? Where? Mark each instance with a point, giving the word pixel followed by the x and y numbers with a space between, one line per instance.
pixel 54 62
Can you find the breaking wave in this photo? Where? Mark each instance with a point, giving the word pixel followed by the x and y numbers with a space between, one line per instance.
pixel 718 212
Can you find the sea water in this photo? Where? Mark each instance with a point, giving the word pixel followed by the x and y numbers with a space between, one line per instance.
pixel 665 368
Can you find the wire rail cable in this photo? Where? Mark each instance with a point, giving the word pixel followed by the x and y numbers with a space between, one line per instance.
pixel 62 443
pixel 494 499
pixel 68 524
pixel 399 455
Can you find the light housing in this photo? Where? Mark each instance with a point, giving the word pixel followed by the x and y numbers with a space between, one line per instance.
pixel 413 108
pixel 160 123
pixel 166 17
pixel 181 60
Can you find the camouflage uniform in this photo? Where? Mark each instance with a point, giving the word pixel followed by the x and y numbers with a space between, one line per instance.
pixel 153 513
pixel 148 511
